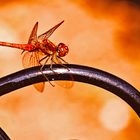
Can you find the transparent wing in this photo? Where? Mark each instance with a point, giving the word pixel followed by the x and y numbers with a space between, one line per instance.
pixel 65 84
pixel 49 32
pixel 31 59
pixel 33 35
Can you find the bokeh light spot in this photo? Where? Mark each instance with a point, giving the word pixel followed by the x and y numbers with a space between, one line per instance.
pixel 114 115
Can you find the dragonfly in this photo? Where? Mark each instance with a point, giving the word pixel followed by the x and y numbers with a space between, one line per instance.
pixel 39 50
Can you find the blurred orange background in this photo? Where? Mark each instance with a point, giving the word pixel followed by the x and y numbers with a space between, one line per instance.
pixel 101 34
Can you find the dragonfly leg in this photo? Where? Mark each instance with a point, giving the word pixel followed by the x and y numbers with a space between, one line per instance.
pixel 22 51
pixel 63 60
pixel 41 69
pixel 62 63
pixel 51 66
pixel 43 59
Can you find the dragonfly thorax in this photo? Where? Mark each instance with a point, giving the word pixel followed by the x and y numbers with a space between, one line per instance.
pixel 47 47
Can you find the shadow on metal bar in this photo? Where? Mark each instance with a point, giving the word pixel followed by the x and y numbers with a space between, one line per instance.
pixel 80 73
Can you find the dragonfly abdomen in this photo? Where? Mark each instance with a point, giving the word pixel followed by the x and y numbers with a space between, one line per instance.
pixel 26 47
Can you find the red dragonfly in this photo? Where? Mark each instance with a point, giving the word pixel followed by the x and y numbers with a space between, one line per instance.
pixel 40 49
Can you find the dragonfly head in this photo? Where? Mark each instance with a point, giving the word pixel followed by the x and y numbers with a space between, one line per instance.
pixel 62 50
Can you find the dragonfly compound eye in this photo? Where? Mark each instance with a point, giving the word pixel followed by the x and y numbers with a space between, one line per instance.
pixel 62 50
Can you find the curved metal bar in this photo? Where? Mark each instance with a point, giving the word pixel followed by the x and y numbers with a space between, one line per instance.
pixel 3 135
pixel 80 73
